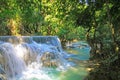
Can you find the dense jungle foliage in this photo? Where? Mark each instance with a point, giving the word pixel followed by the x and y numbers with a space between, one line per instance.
pixel 98 22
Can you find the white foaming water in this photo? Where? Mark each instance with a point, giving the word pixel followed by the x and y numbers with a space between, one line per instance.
pixel 33 72
pixel 33 59
pixel 13 65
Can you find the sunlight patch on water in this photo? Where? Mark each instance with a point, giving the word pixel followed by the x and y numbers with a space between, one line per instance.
pixel 75 73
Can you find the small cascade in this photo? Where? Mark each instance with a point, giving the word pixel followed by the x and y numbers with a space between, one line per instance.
pixel 19 55
pixel 11 63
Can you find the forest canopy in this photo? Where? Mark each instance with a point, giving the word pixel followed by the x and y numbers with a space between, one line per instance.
pixel 97 21
pixel 41 17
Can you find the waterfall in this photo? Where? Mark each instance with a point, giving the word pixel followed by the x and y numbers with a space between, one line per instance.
pixel 12 64
pixel 18 54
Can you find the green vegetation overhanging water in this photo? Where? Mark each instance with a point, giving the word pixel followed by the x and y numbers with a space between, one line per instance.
pixel 97 21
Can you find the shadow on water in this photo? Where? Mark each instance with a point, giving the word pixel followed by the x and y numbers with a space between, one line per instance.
pixel 80 71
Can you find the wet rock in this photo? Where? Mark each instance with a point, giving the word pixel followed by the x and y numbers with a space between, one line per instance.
pixel 3 77
pixel 49 59
pixel 2 70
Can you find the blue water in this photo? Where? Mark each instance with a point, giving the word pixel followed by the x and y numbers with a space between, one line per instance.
pixel 77 72
pixel 81 54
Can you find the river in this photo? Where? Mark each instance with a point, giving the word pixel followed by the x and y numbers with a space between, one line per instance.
pixel 41 58
pixel 77 72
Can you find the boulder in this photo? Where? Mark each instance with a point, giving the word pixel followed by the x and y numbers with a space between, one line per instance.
pixel 49 59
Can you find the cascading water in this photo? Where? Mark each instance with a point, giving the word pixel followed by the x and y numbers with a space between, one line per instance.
pixel 25 55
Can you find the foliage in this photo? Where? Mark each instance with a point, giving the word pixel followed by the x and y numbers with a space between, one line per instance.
pixel 101 19
pixel 97 21
pixel 41 17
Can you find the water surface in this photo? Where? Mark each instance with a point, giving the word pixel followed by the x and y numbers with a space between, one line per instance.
pixel 77 72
